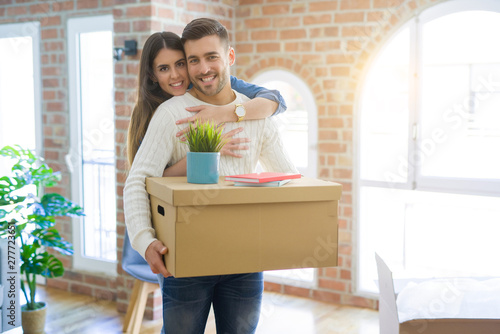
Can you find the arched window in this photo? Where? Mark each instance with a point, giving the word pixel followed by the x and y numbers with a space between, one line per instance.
pixel 429 147
pixel 298 125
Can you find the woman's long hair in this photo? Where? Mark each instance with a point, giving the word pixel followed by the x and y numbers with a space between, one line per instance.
pixel 149 95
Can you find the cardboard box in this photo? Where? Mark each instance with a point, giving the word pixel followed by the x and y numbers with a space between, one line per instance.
pixel 222 229
pixel 437 306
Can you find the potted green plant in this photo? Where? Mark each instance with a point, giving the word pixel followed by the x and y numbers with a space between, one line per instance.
pixel 205 140
pixel 34 218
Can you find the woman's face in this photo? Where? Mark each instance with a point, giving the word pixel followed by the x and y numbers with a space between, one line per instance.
pixel 169 68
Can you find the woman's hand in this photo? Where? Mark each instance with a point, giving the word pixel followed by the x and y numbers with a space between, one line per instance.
pixel 217 114
pixel 233 144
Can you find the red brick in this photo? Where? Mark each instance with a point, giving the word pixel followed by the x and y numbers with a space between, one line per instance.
pixel 58 6
pixel 378 16
pixel 268 47
pixel 51 71
pixel 349 17
pixel 317 19
pixel 196 7
pixel 355 4
pixel 332 147
pixel 47 83
pixel 166 13
pixel 285 22
pixel 328 135
pixel 50 33
pixel 298 8
pixel 58 284
pixel 359 301
pixel 327 46
pixel 95 280
pixel 264 34
pixel 275 9
pixel 141 26
pixel 53 46
pixel 55 106
pixel 297 291
pixel 274 287
pixel 332 285
pixel 81 289
pixel 243 12
pixel 293 34
pixel 139 11
pixel 121 27
pixel 50 21
pixel 326 296
pixel 257 23
pixel 6 2
pixel 40 8
pixel 17 10
pixel 49 95
pixel 250 2
pixel 323 6
pixel 87 4
pixel 312 59
pixel 245 48
pixel 340 71
pixel 387 3
pixel 298 47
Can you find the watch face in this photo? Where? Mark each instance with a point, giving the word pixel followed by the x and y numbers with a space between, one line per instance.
pixel 240 111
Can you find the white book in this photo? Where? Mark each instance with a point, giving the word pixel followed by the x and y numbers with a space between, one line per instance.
pixel 263 184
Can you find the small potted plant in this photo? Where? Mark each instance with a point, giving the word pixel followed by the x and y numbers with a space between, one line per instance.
pixel 33 217
pixel 205 140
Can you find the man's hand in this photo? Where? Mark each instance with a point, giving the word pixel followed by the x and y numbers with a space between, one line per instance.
pixel 154 257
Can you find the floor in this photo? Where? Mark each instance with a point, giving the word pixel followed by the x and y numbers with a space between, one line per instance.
pixel 70 313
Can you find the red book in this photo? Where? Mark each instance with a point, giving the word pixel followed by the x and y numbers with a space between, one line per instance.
pixel 262 177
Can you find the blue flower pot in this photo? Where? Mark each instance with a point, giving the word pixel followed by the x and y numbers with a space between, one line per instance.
pixel 203 167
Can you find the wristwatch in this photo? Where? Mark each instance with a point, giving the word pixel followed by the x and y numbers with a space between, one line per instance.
pixel 240 112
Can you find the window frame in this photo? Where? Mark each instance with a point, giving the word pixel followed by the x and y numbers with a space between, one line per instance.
pixel 416 181
pixel 449 184
pixel 312 119
pixel 77 26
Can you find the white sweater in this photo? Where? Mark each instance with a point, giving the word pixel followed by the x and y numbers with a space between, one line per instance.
pixel 160 147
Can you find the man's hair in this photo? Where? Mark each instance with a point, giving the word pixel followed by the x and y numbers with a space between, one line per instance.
pixel 202 27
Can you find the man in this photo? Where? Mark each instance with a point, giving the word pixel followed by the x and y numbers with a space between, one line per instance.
pixel 186 301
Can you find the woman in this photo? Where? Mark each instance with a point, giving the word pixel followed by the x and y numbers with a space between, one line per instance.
pixel 163 74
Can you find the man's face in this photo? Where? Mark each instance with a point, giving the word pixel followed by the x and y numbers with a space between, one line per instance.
pixel 208 64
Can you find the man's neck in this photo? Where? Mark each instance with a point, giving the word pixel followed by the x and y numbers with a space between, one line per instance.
pixel 225 96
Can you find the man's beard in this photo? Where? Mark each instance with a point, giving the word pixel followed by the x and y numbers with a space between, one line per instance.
pixel 210 90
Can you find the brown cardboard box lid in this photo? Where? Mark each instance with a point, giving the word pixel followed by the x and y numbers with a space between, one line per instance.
pixel 177 192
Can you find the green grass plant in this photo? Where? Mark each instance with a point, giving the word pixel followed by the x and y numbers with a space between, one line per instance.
pixel 205 137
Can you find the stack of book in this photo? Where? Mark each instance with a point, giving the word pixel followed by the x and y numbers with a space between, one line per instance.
pixel 266 179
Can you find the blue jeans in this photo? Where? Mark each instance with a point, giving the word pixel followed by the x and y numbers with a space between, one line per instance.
pixel 236 301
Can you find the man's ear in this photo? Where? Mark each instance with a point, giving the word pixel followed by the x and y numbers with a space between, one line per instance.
pixel 232 56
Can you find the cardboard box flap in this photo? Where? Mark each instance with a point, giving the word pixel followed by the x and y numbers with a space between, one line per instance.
pixel 388 310
pixel 177 192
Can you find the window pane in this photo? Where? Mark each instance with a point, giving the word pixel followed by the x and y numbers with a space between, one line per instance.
pixel 460 112
pixel 293 124
pixel 17 106
pixel 426 234
pixel 97 121
pixel 384 114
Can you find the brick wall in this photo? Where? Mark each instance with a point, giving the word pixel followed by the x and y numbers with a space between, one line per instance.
pixel 326 43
